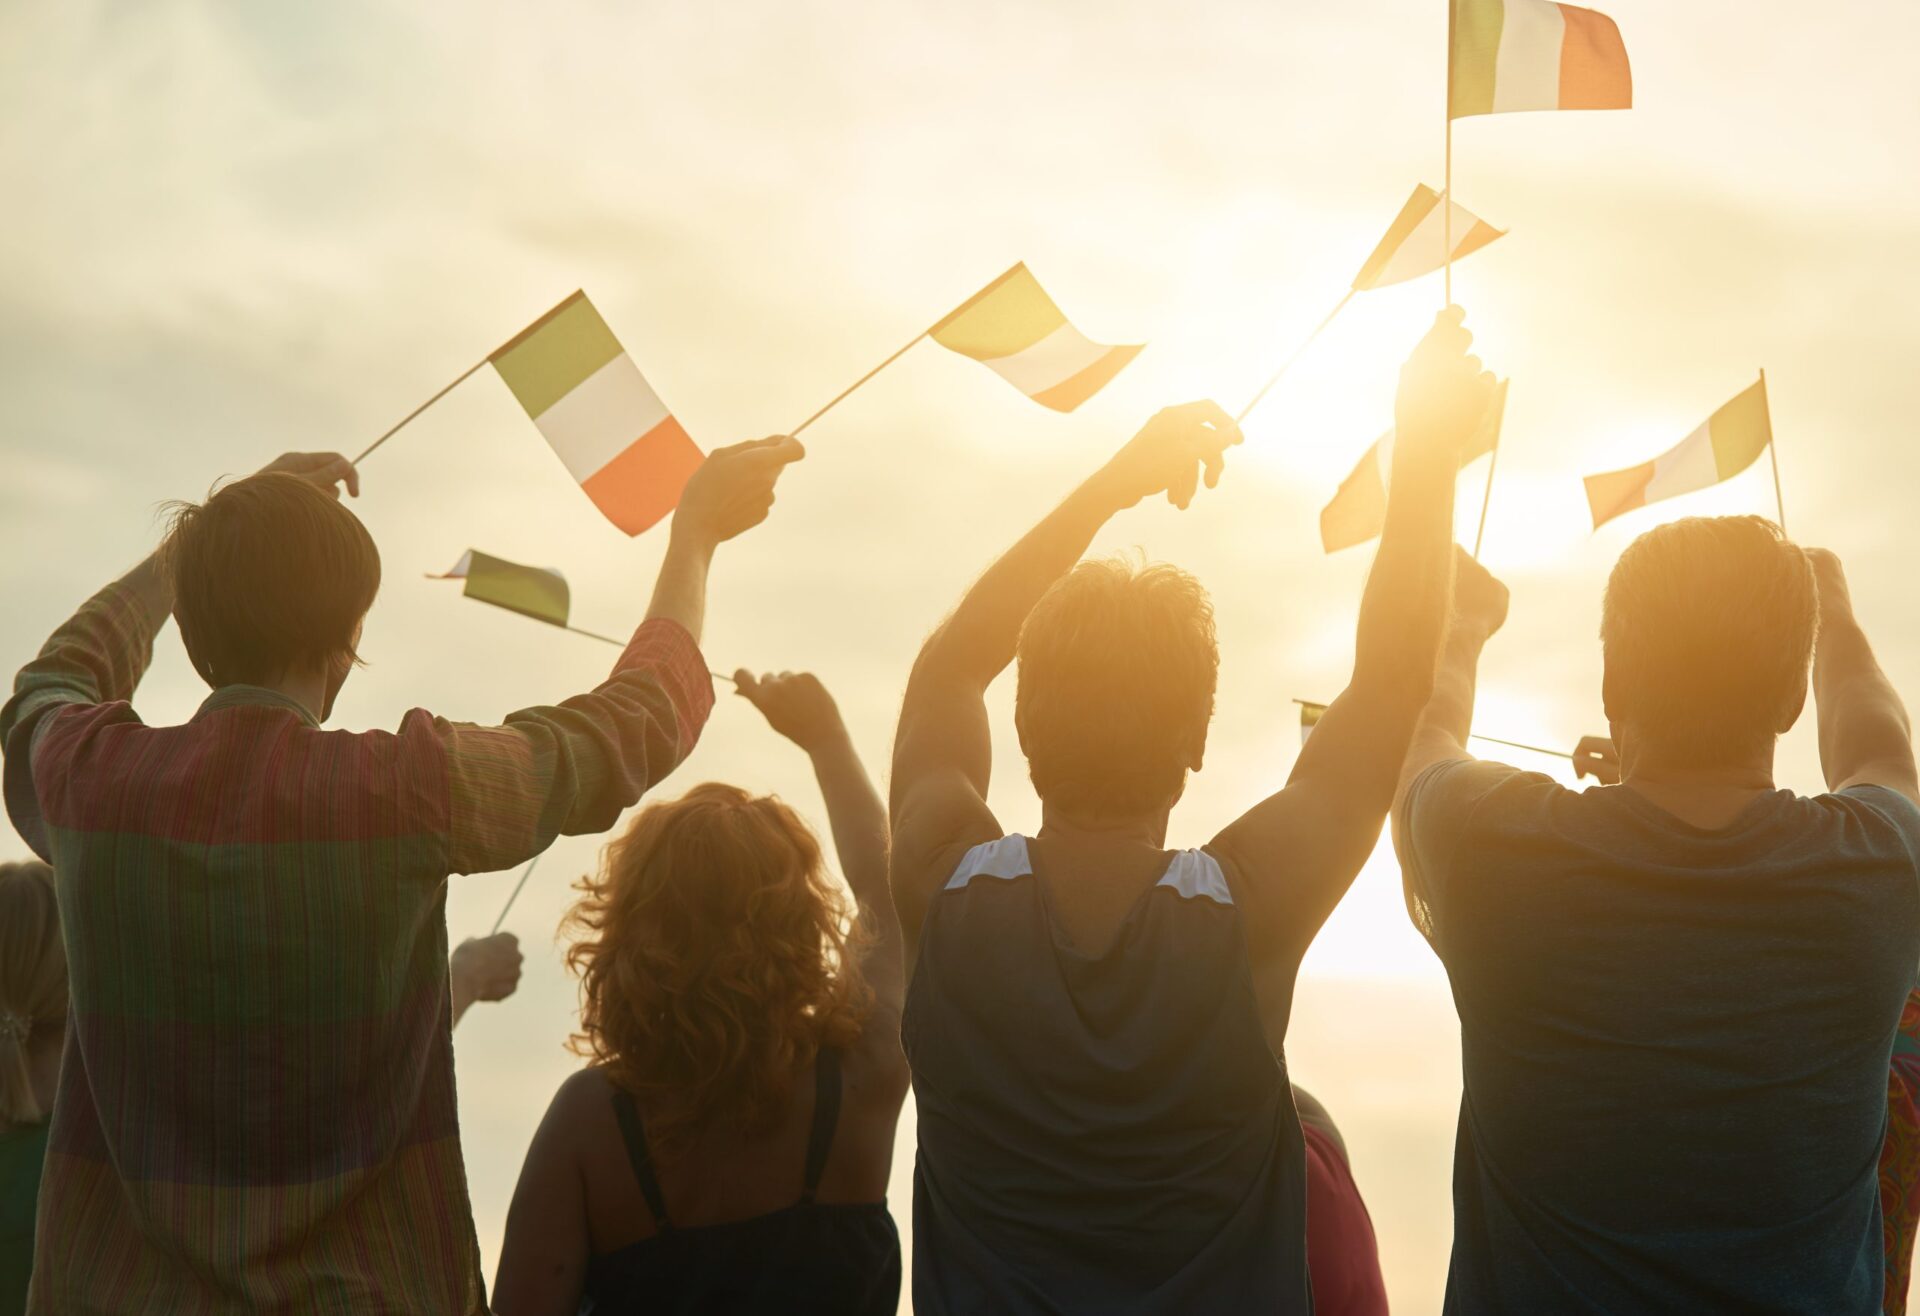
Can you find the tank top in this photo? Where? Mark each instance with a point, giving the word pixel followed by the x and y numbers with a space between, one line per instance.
pixel 1104 1133
pixel 805 1258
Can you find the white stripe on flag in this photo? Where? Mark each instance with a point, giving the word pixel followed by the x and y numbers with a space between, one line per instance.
pixel 601 417
pixel 1424 250
pixel 1527 72
pixel 1053 360
pixel 1686 466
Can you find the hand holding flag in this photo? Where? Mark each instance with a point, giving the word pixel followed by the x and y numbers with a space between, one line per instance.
pixel 1170 454
pixel 732 490
pixel 1443 395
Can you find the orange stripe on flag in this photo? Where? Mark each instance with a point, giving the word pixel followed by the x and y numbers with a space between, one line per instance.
pixel 1477 237
pixel 1075 389
pixel 1617 491
pixel 1594 73
pixel 643 483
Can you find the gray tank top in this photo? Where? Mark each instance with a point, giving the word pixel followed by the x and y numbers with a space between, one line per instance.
pixel 1109 1133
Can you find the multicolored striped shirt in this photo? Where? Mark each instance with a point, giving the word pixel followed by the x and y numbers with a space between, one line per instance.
pixel 256 1110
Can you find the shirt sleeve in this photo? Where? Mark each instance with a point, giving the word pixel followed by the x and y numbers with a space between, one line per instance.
pixel 96 658
pixel 570 768
pixel 1436 818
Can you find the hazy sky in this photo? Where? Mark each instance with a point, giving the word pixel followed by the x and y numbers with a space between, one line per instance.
pixel 235 230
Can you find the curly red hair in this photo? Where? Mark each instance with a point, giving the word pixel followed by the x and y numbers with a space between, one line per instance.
pixel 713 951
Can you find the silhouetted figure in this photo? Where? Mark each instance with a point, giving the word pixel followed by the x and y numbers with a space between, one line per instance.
pixel 728 1149
pixel 1094 1021
pixel 256 1111
pixel 33 1026
pixel 1678 995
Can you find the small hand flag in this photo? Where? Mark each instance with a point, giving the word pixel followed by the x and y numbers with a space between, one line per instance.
pixel 538 592
pixel 1416 242
pixel 592 404
pixel 1732 440
pixel 1358 511
pixel 1535 55
pixel 1014 328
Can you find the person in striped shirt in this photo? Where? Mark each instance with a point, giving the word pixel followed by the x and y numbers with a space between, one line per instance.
pixel 256 1108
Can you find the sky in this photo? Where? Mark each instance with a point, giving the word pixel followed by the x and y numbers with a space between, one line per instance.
pixel 234 230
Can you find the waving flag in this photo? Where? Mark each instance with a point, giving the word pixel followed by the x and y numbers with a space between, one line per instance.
pixel 1013 327
pixel 1535 55
pixel 538 592
pixel 592 404
pixel 1358 511
pixel 1416 242
pixel 1732 440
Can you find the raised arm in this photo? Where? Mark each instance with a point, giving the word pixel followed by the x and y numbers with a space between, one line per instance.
pixel 1299 850
pixel 571 768
pixel 1866 738
pixel 942 754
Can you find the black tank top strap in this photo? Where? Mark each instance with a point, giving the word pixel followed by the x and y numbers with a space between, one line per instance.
pixel 826 1115
pixel 635 1136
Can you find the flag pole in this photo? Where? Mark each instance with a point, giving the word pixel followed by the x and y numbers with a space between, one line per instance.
pixel 1446 197
pixel 842 394
pixel 525 873
pixel 1473 735
pixel 621 644
pixel 465 375
pixel 1485 500
pixel 1773 455
pixel 1298 352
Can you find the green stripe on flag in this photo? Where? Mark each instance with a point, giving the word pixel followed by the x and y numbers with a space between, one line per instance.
pixel 1741 431
pixel 531 591
pixel 556 354
pixel 1476 53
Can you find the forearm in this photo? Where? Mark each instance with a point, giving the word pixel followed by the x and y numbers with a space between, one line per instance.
pixel 857 817
pixel 977 642
pixel 1403 611
pixel 1863 723
pixel 1447 721
pixel 680 592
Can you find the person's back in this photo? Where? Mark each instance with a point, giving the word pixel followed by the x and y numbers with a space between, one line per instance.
pixel 728 1150
pixel 1678 995
pixel 257 1109
pixel 33 1018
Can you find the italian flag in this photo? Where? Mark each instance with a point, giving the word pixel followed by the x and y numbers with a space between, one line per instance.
pixel 1358 511
pixel 1535 55
pixel 592 404
pixel 1732 440
pixel 1013 327
pixel 538 592
pixel 1416 242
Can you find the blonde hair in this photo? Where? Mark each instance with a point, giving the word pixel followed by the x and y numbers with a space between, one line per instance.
pixel 33 982
pixel 716 956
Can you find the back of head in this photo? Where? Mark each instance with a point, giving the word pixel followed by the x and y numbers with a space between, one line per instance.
pixel 33 983
pixel 1708 631
pixel 714 961
pixel 270 574
pixel 1116 680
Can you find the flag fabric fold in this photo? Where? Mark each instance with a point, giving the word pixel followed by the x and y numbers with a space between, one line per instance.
pixel 1013 327
pixel 1416 241
pixel 537 592
pixel 1511 55
pixel 1732 440
pixel 600 415
pixel 1358 510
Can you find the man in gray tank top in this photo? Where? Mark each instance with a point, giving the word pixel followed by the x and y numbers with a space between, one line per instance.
pixel 1094 1021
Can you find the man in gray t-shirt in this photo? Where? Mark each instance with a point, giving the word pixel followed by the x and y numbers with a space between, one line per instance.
pixel 1678 995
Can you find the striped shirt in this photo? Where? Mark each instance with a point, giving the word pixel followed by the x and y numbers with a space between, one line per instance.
pixel 256 1110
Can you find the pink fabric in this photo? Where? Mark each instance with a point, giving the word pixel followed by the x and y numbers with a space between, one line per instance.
pixel 1341 1251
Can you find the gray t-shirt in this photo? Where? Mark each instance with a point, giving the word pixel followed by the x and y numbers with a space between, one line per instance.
pixel 1674 1041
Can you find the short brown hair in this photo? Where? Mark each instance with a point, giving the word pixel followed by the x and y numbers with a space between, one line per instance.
pixel 1117 671
pixel 716 957
pixel 1708 630
pixel 269 573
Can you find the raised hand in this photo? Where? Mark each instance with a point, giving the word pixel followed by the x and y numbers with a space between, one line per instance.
pixel 1479 599
pixel 1830 580
pixel 795 704
pixel 324 470
pixel 1170 454
pixel 1596 757
pixel 1443 393
pixel 484 969
pixel 732 491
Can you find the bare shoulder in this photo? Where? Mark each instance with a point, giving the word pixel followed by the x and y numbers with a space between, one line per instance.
pixel 875 1066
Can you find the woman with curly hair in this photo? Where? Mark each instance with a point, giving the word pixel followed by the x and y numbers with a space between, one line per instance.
pixel 727 1148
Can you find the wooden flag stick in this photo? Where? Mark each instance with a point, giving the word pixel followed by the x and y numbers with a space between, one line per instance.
pixel 621 644
pixel 1773 456
pixel 1486 500
pixel 841 396
pixel 464 376
pixel 525 873
pixel 1475 735
pixel 1446 197
pixel 1298 352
